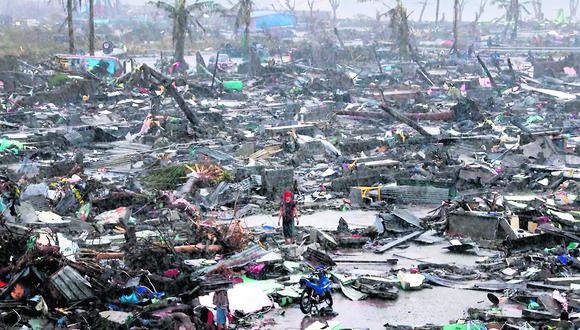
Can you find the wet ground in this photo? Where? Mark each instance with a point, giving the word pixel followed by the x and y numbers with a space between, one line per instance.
pixel 437 305
pixel 322 220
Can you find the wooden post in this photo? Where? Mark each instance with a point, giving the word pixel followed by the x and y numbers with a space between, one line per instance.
pixel 217 58
pixel 171 90
pixel 404 119
pixel 486 71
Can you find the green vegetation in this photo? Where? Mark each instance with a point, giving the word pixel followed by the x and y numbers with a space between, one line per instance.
pixel 166 178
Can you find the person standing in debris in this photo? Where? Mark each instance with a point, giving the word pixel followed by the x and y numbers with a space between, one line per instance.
pixel 222 305
pixel 288 212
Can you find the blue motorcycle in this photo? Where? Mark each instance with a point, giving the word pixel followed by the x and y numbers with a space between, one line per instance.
pixel 317 288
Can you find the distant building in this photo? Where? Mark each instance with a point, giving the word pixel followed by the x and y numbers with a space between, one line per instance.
pixel 317 15
pixel 5 20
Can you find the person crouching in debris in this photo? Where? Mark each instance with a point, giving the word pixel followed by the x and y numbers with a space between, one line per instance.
pixel 222 305
pixel 288 212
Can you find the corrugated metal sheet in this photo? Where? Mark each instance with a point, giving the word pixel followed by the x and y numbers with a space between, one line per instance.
pixel 416 194
pixel 213 153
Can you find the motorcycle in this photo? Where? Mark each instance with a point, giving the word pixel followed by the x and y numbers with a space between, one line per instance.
pixel 317 289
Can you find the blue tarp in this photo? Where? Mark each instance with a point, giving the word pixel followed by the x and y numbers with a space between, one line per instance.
pixel 266 20
pixel 93 62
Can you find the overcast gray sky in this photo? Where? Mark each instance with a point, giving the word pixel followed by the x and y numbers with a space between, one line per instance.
pixel 352 7
pixel 349 8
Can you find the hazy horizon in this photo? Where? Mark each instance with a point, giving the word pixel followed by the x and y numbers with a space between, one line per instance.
pixel 352 8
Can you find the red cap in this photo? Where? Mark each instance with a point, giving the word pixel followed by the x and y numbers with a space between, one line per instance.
pixel 287 194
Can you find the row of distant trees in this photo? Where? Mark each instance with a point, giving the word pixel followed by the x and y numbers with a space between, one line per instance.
pixel 183 14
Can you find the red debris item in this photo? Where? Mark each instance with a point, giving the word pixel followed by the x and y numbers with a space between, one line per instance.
pixel 2 284
pixel 171 272
pixel 414 270
pixel 255 268
pixel 210 318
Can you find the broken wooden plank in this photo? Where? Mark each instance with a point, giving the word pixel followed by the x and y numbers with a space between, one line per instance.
pixel 408 217
pixel 550 92
pixel 358 261
pixel 444 115
pixel 406 120
pixel 563 280
pixel 486 72
pixel 172 91
pixel 398 241
pixel 541 285
pixel 505 225
pixel 184 248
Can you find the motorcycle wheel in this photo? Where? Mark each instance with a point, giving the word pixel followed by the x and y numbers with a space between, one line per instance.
pixel 305 302
pixel 328 299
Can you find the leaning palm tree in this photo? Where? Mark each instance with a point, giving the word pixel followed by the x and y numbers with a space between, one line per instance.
pixel 182 14
pixel 243 10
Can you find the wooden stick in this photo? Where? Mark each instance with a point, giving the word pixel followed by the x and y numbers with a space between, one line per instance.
pixel 183 248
